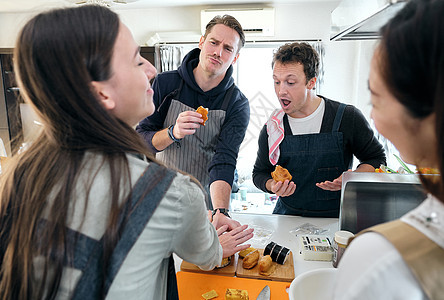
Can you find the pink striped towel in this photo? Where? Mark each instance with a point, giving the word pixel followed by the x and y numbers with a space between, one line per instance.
pixel 275 131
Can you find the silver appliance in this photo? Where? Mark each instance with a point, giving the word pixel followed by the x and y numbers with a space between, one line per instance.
pixel 368 199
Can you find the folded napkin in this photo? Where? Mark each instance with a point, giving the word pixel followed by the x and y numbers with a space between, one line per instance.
pixel 275 131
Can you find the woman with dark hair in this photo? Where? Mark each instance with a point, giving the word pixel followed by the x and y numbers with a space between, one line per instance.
pixel 82 215
pixel 404 259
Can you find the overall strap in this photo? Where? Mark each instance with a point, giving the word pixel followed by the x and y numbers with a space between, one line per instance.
pixel 424 257
pixel 338 117
pixel 227 97
pixel 287 128
pixel 140 212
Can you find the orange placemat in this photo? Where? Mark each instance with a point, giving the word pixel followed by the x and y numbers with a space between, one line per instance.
pixel 192 285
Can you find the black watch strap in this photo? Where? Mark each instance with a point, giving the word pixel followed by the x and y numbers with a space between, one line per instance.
pixel 222 211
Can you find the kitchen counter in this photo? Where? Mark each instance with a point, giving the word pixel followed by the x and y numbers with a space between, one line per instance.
pixel 277 228
pixel 281 226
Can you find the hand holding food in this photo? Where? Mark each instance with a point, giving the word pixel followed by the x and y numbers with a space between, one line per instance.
pixel 186 124
pixel 281 174
pixel 281 183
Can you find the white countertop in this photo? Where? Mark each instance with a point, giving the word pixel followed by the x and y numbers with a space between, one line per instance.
pixel 278 227
pixel 281 226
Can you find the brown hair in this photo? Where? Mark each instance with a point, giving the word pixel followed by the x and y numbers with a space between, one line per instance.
pixel 229 21
pixel 411 62
pixel 57 55
pixel 301 53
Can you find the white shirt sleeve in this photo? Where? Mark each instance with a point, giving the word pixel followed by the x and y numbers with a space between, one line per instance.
pixel 371 268
pixel 179 225
pixel 197 241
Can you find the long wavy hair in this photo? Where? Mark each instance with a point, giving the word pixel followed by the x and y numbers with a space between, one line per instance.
pixel 57 56
pixel 412 65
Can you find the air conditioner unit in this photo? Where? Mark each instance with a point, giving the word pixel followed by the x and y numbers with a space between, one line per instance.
pixel 254 21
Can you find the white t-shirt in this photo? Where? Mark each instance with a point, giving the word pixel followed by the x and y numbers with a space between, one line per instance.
pixel 309 124
pixel 372 268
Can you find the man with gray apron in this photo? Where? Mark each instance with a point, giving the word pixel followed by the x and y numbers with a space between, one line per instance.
pixel 175 133
pixel 313 137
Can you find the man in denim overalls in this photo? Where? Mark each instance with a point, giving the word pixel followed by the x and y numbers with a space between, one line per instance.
pixel 315 138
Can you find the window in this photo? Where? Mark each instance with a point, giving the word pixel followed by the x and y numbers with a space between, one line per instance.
pixel 254 77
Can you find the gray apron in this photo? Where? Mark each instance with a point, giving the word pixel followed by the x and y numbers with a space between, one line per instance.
pixel 194 152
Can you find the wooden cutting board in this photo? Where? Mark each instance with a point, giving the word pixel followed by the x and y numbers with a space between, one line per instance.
pixel 191 286
pixel 229 270
pixel 283 272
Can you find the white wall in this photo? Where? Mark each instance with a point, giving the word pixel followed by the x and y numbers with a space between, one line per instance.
pixel 292 21
pixel 10 25
pixel 346 62
pixel 347 65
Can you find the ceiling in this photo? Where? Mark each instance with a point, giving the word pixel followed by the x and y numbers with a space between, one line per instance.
pixel 38 5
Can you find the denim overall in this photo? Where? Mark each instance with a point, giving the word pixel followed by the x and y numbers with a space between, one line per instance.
pixel 310 159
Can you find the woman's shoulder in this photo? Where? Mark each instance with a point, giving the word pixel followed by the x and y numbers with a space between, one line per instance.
pixel 183 192
pixel 368 265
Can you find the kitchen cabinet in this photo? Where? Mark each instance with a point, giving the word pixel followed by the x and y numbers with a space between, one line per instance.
pixel 10 118
pixel 149 54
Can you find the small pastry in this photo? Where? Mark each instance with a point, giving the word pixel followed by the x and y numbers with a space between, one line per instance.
pixel 245 252
pixel 251 260
pixel 204 112
pixel 280 174
pixel 236 294
pixel 225 262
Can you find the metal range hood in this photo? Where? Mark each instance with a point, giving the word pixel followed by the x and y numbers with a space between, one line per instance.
pixel 362 19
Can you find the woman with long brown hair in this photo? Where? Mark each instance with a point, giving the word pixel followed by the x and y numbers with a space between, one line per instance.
pixel 404 259
pixel 82 215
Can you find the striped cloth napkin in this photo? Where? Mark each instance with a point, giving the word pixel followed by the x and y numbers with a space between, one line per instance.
pixel 275 131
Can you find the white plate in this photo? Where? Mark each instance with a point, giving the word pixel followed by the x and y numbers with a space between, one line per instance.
pixel 313 285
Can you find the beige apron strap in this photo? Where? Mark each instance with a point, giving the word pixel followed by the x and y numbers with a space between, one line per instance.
pixel 423 256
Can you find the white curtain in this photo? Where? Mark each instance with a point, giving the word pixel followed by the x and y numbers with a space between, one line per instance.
pixel 320 49
pixel 168 57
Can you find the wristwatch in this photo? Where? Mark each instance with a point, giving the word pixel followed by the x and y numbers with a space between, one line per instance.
pixel 222 211
pixel 171 135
